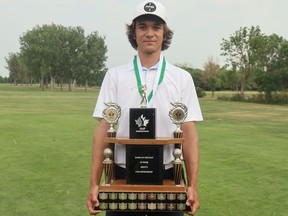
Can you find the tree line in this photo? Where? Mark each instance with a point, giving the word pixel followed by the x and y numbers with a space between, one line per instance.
pixel 56 54
pixel 253 61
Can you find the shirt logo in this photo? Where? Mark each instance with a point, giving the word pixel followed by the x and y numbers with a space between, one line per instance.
pixel 150 7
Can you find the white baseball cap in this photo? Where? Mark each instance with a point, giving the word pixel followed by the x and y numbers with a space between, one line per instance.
pixel 150 7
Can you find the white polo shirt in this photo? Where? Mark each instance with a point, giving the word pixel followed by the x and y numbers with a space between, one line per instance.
pixel 120 86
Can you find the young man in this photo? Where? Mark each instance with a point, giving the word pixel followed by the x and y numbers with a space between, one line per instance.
pixel 165 83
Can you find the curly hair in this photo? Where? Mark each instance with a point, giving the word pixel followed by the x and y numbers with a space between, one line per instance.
pixel 168 33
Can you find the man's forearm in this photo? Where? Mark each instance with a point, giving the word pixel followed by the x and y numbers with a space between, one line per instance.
pixel 97 152
pixel 191 153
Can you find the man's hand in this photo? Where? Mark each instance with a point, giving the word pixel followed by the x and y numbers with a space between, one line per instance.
pixel 192 200
pixel 93 201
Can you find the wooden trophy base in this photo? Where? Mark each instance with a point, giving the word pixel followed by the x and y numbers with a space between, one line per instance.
pixel 118 196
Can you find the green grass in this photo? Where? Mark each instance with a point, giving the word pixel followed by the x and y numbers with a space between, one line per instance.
pixel 243 159
pixel 45 152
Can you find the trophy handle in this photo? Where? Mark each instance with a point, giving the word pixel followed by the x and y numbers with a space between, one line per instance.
pixel 178 133
pixel 108 165
pixel 177 166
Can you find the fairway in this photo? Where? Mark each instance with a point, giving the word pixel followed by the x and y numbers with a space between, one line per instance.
pixel 45 152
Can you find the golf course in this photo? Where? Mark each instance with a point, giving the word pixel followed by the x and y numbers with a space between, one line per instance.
pixel 46 141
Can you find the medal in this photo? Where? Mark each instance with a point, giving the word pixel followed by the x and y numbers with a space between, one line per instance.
pixel 158 79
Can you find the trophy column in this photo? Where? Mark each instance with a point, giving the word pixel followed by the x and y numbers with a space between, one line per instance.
pixel 111 114
pixel 177 166
pixel 108 166
pixel 178 114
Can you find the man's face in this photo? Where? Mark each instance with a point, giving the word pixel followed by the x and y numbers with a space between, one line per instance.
pixel 149 36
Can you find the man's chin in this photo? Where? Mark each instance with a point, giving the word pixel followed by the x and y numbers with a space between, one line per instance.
pixel 150 51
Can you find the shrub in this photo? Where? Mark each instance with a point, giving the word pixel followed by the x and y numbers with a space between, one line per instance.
pixel 263 98
pixel 200 92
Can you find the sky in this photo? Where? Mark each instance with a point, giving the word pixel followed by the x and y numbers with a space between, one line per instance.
pixel 199 25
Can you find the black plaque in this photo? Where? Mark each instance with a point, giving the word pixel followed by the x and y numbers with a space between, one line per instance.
pixel 144 164
pixel 142 123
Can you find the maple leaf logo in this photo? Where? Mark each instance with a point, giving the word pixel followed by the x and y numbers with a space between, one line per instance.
pixel 142 121
pixel 145 121
pixel 138 122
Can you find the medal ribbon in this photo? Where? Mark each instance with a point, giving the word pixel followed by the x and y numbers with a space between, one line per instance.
pixel 159 76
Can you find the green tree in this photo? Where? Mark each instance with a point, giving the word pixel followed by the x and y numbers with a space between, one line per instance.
pixel 210 76
pixel 35 50
pixel 58 54
pixel 16 68
pixel 195 73
pixel 283 62
pixel 228 78
pixel 240 58
pixel 93 59
pixel 270 76
pixel 75 42
pixel 55 37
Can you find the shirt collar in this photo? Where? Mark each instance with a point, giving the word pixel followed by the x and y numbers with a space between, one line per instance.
pixel 131 66
pixel 155 67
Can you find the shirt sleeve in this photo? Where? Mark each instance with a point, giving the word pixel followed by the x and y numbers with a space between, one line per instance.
pixel 107 94
pixel 190 99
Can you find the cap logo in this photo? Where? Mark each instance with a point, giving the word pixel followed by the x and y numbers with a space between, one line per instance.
pixel 150 7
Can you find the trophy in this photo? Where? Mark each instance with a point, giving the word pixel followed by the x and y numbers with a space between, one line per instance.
pixel 144 163
pixel 177 166
pixel 143 103
pixel 144 188
pixel 108 165
pixel 178 114
pixel 111 114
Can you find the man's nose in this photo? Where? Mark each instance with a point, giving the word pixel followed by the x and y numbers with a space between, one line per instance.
pixel 149 32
